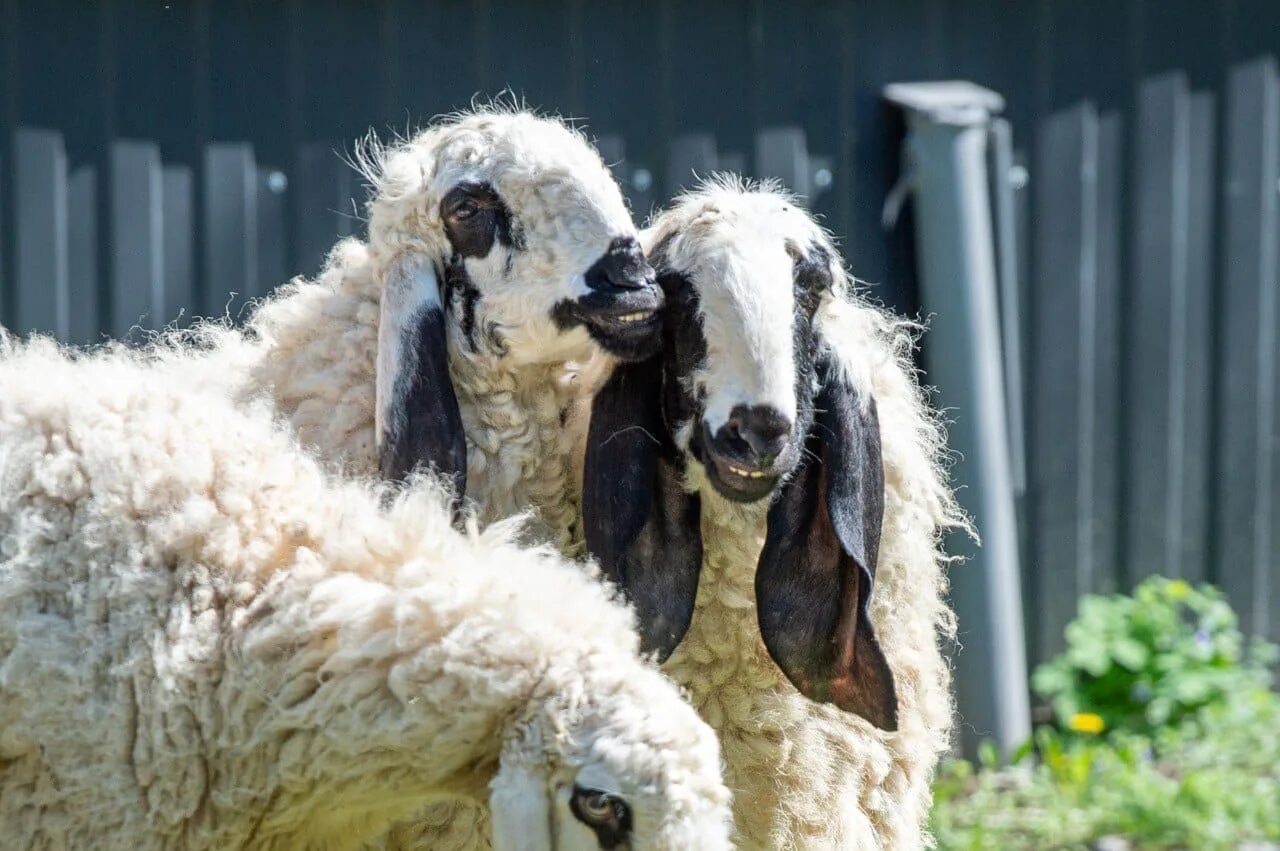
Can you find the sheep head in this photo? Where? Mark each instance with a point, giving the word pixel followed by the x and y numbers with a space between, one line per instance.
pixel 625 765
pixel 500 236
pixel 752 404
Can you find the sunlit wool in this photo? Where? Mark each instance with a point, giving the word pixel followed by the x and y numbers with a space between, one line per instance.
pixel 206 642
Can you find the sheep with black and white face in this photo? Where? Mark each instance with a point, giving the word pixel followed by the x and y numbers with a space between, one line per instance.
pixel 781 459
pixel 501 275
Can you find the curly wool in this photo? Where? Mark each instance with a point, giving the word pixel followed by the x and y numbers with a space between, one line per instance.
pixel 806 775
pixel 206 642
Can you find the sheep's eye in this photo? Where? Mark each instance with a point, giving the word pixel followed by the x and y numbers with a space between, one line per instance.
pixel 465 210
pixel 606 814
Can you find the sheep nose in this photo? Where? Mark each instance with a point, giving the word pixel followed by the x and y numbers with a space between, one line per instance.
pixel 622 266
pixel 758 434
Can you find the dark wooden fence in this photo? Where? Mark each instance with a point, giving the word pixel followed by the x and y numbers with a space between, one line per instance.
pixel 1152 357
pixel 107 256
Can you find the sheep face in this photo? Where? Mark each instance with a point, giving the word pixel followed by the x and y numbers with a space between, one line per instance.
pixel 744 281
pixel 502 236
pixel 630 766
pixel 747 403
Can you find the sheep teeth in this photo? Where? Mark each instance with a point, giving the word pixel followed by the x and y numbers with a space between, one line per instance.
pixel 632 317
pixel 746 474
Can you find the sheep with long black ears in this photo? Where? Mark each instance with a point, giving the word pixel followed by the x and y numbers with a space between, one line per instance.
pixel 206 642
pixel 502 272
pixel 783 470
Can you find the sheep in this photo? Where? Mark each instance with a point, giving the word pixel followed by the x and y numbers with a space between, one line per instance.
pixel 779 455
pixel 501 275
pixel 207 641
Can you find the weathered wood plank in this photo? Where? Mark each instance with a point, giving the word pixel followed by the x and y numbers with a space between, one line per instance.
pixel 42 301
pixel 1062 412
pixel 137 238
pixel 1245 476
pixel 231 227
pixel 1156 388
pixel 82 263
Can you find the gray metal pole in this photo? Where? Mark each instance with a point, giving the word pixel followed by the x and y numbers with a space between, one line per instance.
pixel 948 130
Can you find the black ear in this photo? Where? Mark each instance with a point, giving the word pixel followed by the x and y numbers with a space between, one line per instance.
pixel 641 525
pixel 814 578
pixel 418 421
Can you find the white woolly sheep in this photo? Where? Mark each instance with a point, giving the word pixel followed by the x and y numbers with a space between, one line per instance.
pixel 501 267
pixel 761 452
pixel 206 643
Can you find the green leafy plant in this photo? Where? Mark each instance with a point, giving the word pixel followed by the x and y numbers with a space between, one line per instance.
pixel 1169 738
pixel 1140 663
pixel 1211 784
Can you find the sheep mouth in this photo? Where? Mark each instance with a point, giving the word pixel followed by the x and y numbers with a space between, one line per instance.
pixel 733 479
pixel 626 324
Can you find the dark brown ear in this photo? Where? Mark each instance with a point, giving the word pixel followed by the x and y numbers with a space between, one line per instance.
pixel 640 523
pixel 814 578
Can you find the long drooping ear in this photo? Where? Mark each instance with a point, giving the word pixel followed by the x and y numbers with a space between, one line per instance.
pixel 418 421
pixel 815 573
pixel 641 525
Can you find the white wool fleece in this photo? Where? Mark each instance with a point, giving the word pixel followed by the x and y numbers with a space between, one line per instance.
pixel 207 643
pixel 805 774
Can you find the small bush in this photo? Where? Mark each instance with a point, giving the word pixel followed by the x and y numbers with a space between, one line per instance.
pixel 1138 664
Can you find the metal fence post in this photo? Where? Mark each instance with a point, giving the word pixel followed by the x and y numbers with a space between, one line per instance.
pixel 948 126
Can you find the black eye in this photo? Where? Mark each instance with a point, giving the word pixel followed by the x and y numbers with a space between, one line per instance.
pixel 606 814
pixel 465 210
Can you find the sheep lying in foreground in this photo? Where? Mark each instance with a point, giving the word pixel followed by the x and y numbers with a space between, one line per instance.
pixel 775 468
pixel 205 644
pixel 501 266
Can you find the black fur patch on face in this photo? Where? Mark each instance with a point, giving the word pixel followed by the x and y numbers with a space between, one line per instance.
pixel 811 280
pixel 684 347
pixel 475 217
pixel 462 296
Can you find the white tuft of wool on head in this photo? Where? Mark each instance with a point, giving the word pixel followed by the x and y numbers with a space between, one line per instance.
pixel 208 642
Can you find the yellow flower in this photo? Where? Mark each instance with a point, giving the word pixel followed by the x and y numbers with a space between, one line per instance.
pixel 1087 722
pixel 1179 589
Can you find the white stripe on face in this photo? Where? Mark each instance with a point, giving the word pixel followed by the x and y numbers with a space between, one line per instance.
pixel 747 297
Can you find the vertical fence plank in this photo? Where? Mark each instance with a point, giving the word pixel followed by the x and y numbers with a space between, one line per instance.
pixel 635 180
pixel 179 244
pixel 1155 452
pixel 1196 344
pixel 692 157
pixel 42 300
pixel 137 238
pixel 6 286
pixel 231 227
pixel 1105 502
pixel 1062 375
pixel 783 152
pixel 1245 477
pixel 82 263
pixel 323 189
pixel 273 244
pixel 733 161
